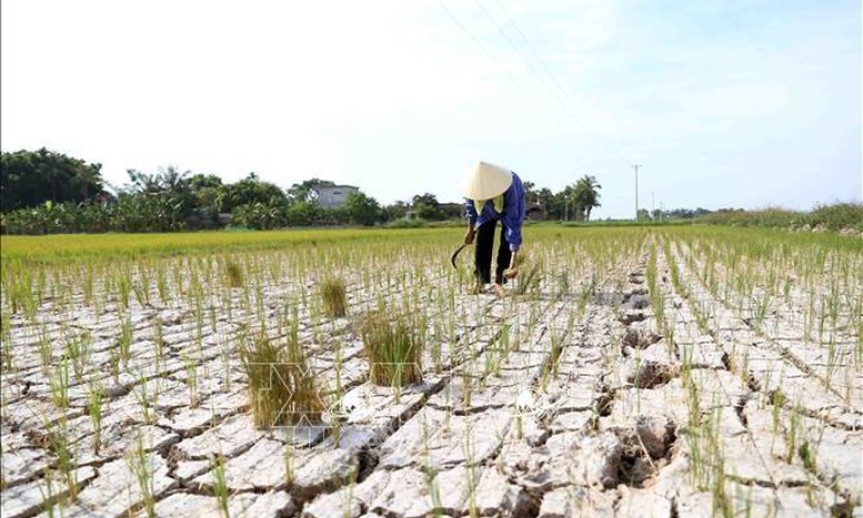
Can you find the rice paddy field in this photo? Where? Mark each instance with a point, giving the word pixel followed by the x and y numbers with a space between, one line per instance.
pixel 668 372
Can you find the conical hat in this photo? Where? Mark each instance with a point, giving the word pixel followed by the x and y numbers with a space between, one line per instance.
pixel 486 181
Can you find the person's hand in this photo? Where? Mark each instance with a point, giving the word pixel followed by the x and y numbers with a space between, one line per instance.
pixel 468 236
pixel 512 271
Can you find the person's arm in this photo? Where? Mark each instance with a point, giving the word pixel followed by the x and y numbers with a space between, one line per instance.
pixel 471 221
pixel 514 211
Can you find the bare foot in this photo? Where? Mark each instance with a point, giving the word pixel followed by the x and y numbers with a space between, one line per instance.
pixel 499 291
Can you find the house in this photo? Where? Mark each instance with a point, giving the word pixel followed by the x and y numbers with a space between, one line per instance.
pixel 535 213
pixel 333 196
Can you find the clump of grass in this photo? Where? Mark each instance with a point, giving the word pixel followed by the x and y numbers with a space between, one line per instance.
pixel 233 275
pixel 334 296
pixel 282 389
pixel 393 346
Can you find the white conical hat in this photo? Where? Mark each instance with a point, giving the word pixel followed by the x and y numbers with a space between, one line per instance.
pixel 486 181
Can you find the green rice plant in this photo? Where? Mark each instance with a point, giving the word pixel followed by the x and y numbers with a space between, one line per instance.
pixel 49 499
pixel 587 290
pixel 551 362
pixel 162 285
pixel 58 384
pixel 124 288
pixel 334 297
pixel 46 350
pixel 78 350
pixel 528 282
pixel 500 351
pixel 430 471
pixel 6 337
pixel 563 284
pixel 158 337
pixel 282 389
pixel 393 347
pixel 114 363
pixel 142 293
pixel 220 485
pixel 144 399
pixel 191 367
pixel 124 341
pixel 95 398
pixel 140 465
pixel 289 457
pixel 233 275
pixel 57 435
pixel 761 308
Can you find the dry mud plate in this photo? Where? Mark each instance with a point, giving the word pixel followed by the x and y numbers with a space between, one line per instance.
pixel 673 373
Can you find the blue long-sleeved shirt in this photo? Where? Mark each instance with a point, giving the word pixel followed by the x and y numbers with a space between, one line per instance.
pixel 512 215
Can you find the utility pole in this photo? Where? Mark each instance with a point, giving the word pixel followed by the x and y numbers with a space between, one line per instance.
pixel 636 166
pixel 652 203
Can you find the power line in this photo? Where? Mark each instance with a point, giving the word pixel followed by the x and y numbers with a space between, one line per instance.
pixel 492 57
pixel 560 100
pixel 530 47
pixel 517 51
pixel 560 92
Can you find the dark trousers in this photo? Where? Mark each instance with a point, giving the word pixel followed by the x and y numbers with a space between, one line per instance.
pixel 483 250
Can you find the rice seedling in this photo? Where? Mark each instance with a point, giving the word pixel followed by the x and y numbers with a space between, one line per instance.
pixel 46 350
pixel 58 384
pixel 282 390
pixel 46 490
pixel 289 457
pixel 220 485
pixel 140 465
pixel 334 297
pixel 191 366
pixel 124 341
pixel 78 350
pixel 233 275
pixel 114 363
pixel 146 400
pixel 57 435
pixel 529 281
pixel 95 398
pixel 393 347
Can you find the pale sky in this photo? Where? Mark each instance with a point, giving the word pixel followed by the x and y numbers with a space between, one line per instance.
pixel 742 103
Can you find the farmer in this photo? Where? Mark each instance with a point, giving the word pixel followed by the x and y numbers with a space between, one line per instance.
pixel 493 193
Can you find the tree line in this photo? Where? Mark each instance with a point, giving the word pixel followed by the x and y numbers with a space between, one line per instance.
pixel 46 192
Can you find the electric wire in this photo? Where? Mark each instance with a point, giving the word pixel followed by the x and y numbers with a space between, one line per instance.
pixel 558 92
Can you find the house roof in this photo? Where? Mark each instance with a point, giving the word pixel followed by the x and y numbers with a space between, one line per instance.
pixel 323 187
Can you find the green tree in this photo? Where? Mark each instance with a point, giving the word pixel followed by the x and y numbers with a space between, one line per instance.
pixel 395 211
pixel 251 190
pixel 362 209
pixel 302 213
pixel 545 198
pixel 427 207
pixel 207 192
pixel 305 191
pixel 30 178
pixel 585 195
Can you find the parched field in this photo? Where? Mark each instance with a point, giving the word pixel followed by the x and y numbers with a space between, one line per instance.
pixel 669 372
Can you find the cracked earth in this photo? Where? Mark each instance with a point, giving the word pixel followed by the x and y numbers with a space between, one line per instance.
pixel 583 398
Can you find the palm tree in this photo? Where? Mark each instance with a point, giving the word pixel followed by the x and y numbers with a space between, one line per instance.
pixel 586 194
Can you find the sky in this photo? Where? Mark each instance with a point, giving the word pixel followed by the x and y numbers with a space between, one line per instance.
pixel 731 103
